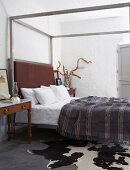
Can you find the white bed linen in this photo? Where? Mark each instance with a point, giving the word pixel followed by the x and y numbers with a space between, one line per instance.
pixel 47 115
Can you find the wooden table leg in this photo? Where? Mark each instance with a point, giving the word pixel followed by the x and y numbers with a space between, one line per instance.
pixel 29 127
pixel 13 124
pixel 9 126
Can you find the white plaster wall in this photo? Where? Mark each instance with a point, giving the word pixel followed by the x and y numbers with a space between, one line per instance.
pixel 56 52
pixel 98 78
pixel 3 59
pixel 3 38
pixel 30 45
pixel 55 29
pixel 33 46
pixel 96 25
pixel 41 23
pixel 15 7
pixel 47 24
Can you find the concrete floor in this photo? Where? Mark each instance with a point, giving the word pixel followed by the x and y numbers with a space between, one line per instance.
pixel 14 155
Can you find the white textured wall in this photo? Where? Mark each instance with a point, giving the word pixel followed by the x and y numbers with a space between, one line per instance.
pixel 56 52
pixel 3 38
pixel 3 59
pixel 98 78
pixel 30 45
pixel 33 46
pixel 96 25
pixel 56 42
pixel 48 24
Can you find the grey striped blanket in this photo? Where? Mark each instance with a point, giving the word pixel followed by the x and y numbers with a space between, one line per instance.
pixel 96 118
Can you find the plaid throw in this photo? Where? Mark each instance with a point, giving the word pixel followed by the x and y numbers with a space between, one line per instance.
pixel 96 118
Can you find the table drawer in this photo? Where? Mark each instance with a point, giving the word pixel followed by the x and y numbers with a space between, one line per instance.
pixel 14 108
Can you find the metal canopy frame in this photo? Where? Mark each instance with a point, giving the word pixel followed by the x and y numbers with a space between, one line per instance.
pixel 17 18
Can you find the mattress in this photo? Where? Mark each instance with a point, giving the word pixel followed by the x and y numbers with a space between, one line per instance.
pixel 47 115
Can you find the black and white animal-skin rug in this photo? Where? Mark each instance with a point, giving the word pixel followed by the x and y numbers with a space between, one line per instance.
pixel 85 155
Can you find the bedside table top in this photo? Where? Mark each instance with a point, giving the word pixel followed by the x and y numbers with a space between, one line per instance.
pixel 6 103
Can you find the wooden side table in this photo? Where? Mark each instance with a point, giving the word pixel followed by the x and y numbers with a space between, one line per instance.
pixel 8 109
pixel 72 91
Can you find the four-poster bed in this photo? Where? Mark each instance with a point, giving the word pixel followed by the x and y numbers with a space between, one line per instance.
pixel 93 118
pixel 19 77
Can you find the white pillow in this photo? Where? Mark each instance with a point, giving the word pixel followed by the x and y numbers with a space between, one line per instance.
pixel 28 93
pixel 44 86
pixel 60 92
pixel 45 96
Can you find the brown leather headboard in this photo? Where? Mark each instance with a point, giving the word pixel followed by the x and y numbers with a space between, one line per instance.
pixel 31 75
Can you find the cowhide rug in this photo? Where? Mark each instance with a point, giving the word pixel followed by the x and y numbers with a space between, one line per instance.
pixel 85 155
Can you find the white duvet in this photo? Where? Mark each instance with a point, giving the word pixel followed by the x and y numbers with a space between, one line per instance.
pixel 47 115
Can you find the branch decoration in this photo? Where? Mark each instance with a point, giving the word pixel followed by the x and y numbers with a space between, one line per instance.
pixel 68 74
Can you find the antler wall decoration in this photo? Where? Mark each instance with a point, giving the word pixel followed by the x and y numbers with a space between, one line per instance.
pixel 68 74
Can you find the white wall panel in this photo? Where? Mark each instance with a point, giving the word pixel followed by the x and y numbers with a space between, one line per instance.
pixel 124 70
pixel 124 89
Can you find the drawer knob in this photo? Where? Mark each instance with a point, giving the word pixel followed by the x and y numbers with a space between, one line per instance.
pixel 6 110
pixel 23 107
